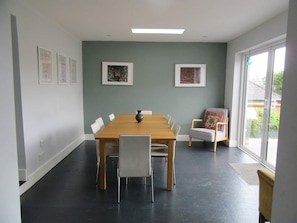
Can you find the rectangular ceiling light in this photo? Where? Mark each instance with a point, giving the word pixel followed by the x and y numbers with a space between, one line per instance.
pixel 158 31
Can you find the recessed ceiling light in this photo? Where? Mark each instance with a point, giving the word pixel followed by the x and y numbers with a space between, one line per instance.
pixel 158 31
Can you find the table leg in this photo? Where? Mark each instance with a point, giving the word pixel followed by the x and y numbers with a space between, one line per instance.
pixel 102 171
pixel 170 166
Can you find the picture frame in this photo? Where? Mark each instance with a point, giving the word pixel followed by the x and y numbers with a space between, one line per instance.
pixel 190 75
pixel 45 66
pixel 117 73
pixel 61 69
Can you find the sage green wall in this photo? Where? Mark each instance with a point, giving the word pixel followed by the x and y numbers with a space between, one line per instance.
pixel 154 75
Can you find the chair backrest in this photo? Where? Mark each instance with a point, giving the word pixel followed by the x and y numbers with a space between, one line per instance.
pixel 111 117
pixel 135 156
pixel 95 128
pixel 168 118
pixel 100 122
pixel 214 115
pixel 176 129
pixel 146 112
pixel 171 123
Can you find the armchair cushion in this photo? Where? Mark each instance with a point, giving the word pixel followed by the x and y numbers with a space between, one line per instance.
pixel 205 134
pixel 211 118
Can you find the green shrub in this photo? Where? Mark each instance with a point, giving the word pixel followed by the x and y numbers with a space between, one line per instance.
pixel 255 126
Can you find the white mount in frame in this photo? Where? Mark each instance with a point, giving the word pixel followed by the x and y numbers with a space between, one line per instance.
pixel 190 75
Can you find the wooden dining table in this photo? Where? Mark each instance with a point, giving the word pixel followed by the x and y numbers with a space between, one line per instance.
pixel 155 125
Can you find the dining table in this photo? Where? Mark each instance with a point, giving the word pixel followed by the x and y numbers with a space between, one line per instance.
pixel 155 125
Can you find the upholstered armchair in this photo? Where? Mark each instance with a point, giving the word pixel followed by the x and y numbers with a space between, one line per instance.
pixel 212 128
pixel 266 183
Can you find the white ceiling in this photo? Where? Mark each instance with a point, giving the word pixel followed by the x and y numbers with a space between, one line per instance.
pixel 203 20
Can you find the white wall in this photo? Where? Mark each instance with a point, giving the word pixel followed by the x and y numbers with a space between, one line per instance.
pixel 270 31
pixel 52 114
pixel 285 196
pixel 9 189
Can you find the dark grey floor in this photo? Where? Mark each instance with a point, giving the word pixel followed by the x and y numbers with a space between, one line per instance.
pixel 207 190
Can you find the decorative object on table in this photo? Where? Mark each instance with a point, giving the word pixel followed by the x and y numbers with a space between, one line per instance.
pixel 190 75
pixel 139 116
pixel 117 73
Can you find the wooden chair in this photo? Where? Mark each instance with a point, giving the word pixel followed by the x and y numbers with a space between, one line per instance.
pixel 214 127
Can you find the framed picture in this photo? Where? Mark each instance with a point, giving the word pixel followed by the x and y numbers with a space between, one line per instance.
pixel 62 74
pixel 72 70
pixel 117 73
pixel 190 75
pixel 45 66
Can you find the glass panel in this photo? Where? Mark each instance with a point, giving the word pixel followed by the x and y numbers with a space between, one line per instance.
pixel 256 76
pixel 276 96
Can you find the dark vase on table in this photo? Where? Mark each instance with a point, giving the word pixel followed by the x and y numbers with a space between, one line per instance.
pixel 139 116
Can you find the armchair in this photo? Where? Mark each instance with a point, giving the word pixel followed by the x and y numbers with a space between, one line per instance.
pixel 266 183
pixel 213 127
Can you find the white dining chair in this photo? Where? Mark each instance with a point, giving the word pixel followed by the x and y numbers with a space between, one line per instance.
pixel 146 112
pixel 168 118
pixel 162 150
pixel 111 150
pixel 135 160
pixel 155 146
pixel 111 116
pixel 100 121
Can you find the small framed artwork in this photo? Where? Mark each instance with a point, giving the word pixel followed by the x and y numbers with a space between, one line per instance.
pixel 72 70
pixel 117 73
pixel 45 66
pixel 62 74
pixel 190 75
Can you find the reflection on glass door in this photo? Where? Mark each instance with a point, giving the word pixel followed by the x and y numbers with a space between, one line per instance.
pixel 275 105
pixel 255 97
pixel 264 74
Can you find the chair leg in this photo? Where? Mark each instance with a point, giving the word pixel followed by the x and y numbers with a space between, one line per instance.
pixel 215 146
pixel 262 219
pixel 97 173
pixel 190 141
pixel 174 178
pixel 152 188
pixel 119 187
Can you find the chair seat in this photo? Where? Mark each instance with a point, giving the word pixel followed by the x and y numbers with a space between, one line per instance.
pixel 112 151
pixel 160 152
pixel 205 134
pixel 158 146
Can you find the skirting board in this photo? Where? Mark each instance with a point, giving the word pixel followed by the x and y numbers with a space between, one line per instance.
pixel 45 168
pixel 23 175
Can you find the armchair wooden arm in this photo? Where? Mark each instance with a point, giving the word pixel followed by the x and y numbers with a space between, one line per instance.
pixel 266 183
pixel 195 120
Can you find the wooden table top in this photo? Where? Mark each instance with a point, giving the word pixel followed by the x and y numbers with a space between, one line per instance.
pixel 155 125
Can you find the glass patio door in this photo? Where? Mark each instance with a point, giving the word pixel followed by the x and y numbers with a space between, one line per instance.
pixel 263 88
